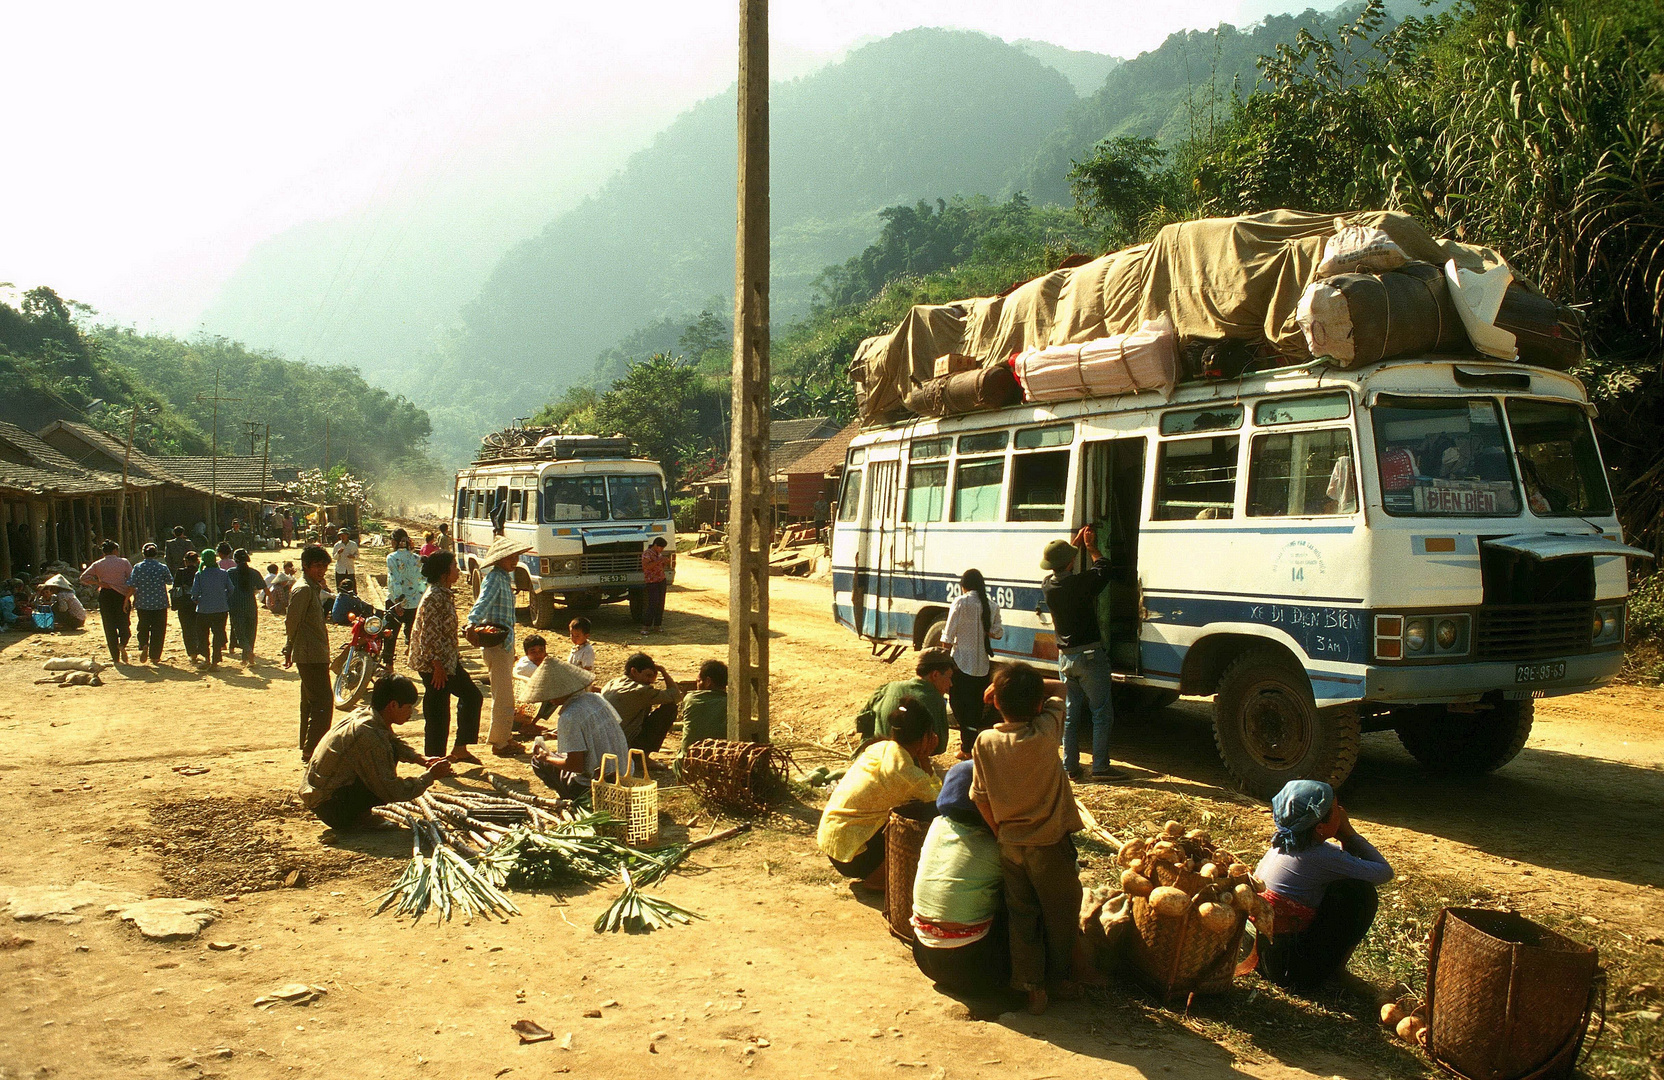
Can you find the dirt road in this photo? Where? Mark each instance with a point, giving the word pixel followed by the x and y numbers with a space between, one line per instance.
pixel 789 975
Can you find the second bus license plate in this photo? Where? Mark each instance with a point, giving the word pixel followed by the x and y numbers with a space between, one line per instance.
pixel 1539 672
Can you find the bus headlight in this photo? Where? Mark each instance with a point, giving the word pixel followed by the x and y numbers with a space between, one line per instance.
pixel 570 565
pixel 1415 635
pixel 1445 634
pixel 1608 625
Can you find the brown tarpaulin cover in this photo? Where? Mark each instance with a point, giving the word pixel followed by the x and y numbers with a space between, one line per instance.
pixel 1215 278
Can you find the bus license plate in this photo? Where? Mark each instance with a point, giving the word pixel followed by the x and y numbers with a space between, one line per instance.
pixel 611 579
pixel 1539 672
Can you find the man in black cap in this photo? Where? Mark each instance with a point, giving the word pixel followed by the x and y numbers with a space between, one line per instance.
pixel 1082 654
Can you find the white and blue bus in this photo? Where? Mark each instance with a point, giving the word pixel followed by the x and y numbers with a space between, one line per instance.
pixel 586 505
pixel 1423 545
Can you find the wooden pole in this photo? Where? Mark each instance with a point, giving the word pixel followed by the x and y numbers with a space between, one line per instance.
pixel 749 524
pixel 126 459
pixel 5 540
pixel 265 463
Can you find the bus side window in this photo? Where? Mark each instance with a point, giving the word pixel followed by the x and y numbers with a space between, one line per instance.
pixel 1196 479
pixel 1038 486
pixel 461 502
pixel 1302 474
pixel 927 487
pixel 976 488
pixel 849 500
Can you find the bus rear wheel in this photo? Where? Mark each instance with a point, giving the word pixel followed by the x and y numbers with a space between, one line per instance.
pixel 1269 730
pixel 1467 743
pixel 542 606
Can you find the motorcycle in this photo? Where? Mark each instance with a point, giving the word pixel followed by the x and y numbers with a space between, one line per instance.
pixel 364 657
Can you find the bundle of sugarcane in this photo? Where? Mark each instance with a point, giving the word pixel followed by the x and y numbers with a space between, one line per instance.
pixel 442 880
pixel 635 912
pixel 572 849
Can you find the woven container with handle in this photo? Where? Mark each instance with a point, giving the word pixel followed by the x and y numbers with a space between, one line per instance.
pixel 633 801
pixel 1179 956
pixel 903 840
pixel 1507 999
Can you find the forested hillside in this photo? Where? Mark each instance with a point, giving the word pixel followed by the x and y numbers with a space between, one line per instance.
pixel 920 114
pixel 54 367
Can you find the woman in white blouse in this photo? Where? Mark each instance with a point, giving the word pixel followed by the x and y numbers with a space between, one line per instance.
pixel 973 622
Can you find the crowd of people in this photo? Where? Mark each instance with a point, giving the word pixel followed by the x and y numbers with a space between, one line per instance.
pixel 997 892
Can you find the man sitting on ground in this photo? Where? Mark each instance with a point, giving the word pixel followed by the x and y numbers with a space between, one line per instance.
pixel 929 689
pixel 587 730
pixel 887 774
pixel 355 767
pixel 646 711
pixel 705 710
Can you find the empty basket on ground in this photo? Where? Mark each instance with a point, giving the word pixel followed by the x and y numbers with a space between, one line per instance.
pixel 1507 999
pixel 1180 955
pixel 633 801
pixel 903 840
pixel 739 777
pixel 1145 359
pixel 969 391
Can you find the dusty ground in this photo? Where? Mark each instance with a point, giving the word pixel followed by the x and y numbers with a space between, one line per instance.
pixel 789 975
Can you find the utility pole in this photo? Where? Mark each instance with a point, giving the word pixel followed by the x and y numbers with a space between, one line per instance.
pixel 265 463
pixel 214 461
pixel 251 430
pixel 750 524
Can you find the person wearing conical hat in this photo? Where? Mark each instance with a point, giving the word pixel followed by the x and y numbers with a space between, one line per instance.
pixel 588 729
pixel 67 612
pixel 494 611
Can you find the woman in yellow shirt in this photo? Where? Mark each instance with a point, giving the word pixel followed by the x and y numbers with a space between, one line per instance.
pixel 887 774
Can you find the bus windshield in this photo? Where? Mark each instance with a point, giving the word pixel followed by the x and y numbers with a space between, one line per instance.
pixel 1443 457
pixel 1558 460
pixel 590 497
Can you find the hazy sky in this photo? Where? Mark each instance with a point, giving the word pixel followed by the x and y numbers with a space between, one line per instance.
pixel 153 144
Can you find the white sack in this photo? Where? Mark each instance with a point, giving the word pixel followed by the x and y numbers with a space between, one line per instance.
pixel 1326 321
pixel 1145 359
pixel 1360 248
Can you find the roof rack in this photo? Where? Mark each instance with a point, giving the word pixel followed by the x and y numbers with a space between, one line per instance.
pixel 549 444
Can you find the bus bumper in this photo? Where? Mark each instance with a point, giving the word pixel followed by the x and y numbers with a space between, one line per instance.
pixel 1432 684
pixel 582 582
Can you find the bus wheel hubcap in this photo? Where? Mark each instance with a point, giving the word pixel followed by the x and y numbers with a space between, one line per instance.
pixel 1276 728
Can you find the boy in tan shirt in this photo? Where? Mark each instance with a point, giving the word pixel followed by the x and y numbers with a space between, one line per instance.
pixel 1023 793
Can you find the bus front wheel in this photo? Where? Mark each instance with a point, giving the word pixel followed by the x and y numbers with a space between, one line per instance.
pixel 543 610
pixel 933 636
pixel 1464 743
pixel 1269 730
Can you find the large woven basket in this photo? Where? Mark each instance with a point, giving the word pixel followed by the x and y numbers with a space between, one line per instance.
pixel 1178 957
pixel 1507 999
pixel 632 800
pixel 739 777
pixel 903 840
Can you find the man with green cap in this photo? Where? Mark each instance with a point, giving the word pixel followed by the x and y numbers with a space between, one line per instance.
pixel 1082 654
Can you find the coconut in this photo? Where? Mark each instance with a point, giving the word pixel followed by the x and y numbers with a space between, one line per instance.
pixel 1408 1029
pixel 1172 830
pixel 1198 835
pixel 1242 898
pixel 1210 870
pixel 1166 851
pixel 1169 903
pixel 1391 1014
pixel 1218 918
pixel 1236 870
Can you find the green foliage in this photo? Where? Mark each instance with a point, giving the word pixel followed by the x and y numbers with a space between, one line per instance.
pixel 1117 185
pixel 662 403
pixel 1646 609
pixel 371 432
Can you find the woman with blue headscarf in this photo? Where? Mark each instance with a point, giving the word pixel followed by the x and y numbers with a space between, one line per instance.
pixel 1322 894
pixel 959 934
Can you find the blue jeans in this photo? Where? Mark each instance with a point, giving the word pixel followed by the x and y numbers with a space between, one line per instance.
pixel 1087 683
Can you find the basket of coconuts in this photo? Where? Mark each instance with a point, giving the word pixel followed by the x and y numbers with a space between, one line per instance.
pixel 1189 903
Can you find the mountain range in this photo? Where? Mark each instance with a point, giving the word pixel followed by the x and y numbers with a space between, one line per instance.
pixel 923 114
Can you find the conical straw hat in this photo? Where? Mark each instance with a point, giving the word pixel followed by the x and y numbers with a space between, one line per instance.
pixel 555 679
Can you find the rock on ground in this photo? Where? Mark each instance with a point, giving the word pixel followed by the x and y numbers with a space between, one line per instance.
pixel 58 903
pixel 168 919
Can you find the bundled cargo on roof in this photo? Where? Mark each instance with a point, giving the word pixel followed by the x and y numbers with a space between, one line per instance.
pixel 1219 280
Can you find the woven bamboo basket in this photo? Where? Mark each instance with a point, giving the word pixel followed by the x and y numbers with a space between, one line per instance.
pixel 633 801
pixel 903 840
pixel 1507 999
pixel 1178 957
pixel 739 777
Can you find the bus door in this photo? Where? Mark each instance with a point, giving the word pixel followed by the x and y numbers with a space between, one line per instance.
pixel 873 588
pixel 1112 496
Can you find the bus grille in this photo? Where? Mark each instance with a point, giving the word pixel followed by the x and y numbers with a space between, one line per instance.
pixel 612 562
pixel 1532 631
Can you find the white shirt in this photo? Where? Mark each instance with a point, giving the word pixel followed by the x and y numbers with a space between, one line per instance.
pixel 583 656
pixel 589 724
pixel 963 633
pixel 524 668
pixel 345 552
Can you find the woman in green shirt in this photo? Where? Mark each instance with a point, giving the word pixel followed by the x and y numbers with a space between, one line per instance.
pixel 959 933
